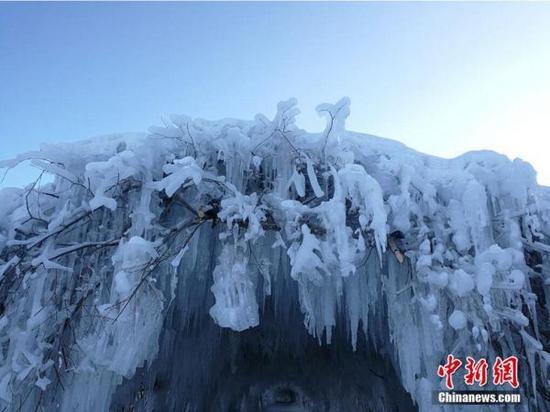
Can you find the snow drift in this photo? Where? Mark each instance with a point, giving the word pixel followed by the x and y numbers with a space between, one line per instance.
pixel 241 265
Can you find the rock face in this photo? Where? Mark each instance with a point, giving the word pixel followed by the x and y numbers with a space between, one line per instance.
pixel 250 265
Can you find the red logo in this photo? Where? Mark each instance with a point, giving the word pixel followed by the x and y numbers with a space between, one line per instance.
pixel 504 371
pixel 476 371
pixel 448 370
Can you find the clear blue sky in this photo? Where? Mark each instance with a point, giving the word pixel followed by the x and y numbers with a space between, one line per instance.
pixel 443 78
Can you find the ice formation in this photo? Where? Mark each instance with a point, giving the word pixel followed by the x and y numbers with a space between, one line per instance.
pixel 222 265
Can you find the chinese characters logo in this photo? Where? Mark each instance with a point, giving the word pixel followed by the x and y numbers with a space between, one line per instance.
pixel 503 371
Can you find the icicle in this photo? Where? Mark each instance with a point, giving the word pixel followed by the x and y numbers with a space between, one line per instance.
pixel 313 179
pixel 236 306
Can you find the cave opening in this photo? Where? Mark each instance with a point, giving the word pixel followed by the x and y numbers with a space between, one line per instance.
pixel 276 366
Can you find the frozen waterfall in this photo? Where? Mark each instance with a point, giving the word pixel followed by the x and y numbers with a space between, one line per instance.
pixel 253 266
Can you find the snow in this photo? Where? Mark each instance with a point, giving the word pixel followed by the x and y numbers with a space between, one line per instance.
pixel 122 284
pixel 313 179
pixel 299 181
pixel 104 174
pixel 304 258
pixel 235 306
pixel 484 278
pixel 179 173
pixel 458 320
pixel 365 192
pixel 42 383
pixel 208 229
pixel 134 253
pixel 336 116
pixel 461 283
pixel 516 279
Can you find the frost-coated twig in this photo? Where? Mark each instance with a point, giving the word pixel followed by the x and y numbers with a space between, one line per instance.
pixel 150 267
